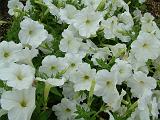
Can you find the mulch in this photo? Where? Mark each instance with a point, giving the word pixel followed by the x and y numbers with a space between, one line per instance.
pixel 154 7
pixel 4 16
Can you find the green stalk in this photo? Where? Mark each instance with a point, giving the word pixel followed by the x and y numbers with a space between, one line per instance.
pixel 125 102
pixel 89 102
pixel 101 5
pixel 46 93
pixel 103 107
pixel 130 110
pixel 39 3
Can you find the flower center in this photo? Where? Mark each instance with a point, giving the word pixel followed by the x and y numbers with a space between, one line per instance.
pixel 69 41
pixel 19 76
pixel 73 65
pixel 86 77
pixel 30 32
pixel 87 21
pixel 121 71
pixel 53 67
pixel 141 82
pixel 6 54
pixel 108 83
pixel 68 110
pixel 23 103
pixel 145 45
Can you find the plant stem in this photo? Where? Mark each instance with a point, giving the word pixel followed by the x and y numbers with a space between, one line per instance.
pixel 46 93
pixel 131 109
pixel 89 102
pixel 100 110
pixel 40 3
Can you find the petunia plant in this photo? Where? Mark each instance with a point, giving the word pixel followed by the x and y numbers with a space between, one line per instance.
pixel 80 60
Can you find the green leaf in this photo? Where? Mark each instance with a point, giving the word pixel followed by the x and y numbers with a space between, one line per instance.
pixel 55 92
pixel 45 115
pixel 104 65
pixel 101 6
pixel 86 115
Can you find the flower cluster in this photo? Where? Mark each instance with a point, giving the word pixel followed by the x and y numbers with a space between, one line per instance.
pixel 80 59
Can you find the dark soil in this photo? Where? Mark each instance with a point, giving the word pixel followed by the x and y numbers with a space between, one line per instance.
pixel 5 17
pixel 4 9
pixel 154 7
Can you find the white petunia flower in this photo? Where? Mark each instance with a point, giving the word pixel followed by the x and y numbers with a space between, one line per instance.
pixel 73 61
pixel 91 3
pixel 52 65
pixel 32 33
pixel 26 56
pixel 154 108
pixel 106 86
pixel 18 76
pixel 69 43
pixel 67 14
pixel 125 20
pixel 118 50
pixel 115 104
pixel 47 46
pixel 147 18
pixel 53 81
pixel 156 30
pixel 28 6
pixel 110 27
pixel 19 103
pixel 87 21
pixel 122 34
pixel 112 5
pixel 156 93
pixel 141 84
pixel 122 70
pixel 137 65
pixel 68 90
pixel 83 77
pixel 151 28
pixel 74 31
pixel 65 110
pixel 13 5
pixel 146 47
pixel 137 14
pixel 149 102
pixel 91 48
pixel 144 100
pixel 118 27
pixel 9 52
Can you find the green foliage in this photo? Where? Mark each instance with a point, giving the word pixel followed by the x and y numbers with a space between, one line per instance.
pixel 86 115
pixel 56 92
pixel 41 13
pixel 12 33
pixel 158 22
pixel 105 65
